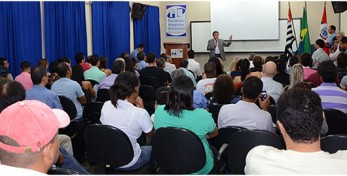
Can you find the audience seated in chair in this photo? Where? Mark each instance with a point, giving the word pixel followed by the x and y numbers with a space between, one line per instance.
pixel 126 112
pixel 152 70
pixel 179 112
pixel 300 118
pixel 118 66
pixel 272 87
pixel 193 65
pixel 245 113
pixel 332 96
pixel 206 84
pixel 94 73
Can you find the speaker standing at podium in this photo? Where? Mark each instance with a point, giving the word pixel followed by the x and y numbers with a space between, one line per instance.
pixel 216 45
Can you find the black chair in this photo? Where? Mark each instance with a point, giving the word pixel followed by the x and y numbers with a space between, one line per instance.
pixel 93 82
pixel 92 112
pixel 87 94
pixel 161 94
pixel 336 120
pixel 70 108
pixel 224 135
pixel 177 151
pixel 147 93
pixel 272 111
pixel 208 95
pixel 150 80
pixel 103 95
pixel 214 109
pixel 333 143
pixel 243 141
pixel 61 171
pixel 272 101
pixel 108 148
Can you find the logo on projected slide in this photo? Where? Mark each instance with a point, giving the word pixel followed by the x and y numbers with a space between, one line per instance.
pixel 176 20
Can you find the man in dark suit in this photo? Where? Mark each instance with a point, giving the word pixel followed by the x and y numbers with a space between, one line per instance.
pixel 216 45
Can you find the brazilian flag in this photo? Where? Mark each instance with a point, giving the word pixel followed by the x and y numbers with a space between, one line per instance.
pixel 304 35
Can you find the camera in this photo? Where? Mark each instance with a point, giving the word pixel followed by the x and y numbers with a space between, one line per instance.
pixel 263 95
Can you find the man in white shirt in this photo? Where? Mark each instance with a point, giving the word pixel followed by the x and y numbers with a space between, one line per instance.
pixel 333 56
pixel 300 119
pixel 245 113
pixel 206 85
pixel 193 65
pixel 319 55
pixel 273 88
pixel 169 67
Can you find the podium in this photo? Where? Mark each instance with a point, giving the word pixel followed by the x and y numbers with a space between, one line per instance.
pixel 177 51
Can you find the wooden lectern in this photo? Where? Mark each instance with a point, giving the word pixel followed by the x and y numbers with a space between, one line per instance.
pixel 177 51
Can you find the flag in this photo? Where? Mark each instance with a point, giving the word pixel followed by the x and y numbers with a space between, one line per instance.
pixel 290 37
pixel 323 32
pixel 304 35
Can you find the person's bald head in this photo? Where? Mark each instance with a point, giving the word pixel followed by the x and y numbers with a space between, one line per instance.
pixel 270 69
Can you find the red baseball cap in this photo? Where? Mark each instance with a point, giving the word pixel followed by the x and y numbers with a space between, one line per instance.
pixel 32 124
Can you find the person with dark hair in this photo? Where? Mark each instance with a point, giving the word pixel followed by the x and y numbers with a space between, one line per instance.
pixel 299 118
pixel 270 58
pixel 341 62
pixel 332 96
pixel 4 63
pixel 118 66
pixel 306 62
pixel 291 61
pixel 126 112
pixel 319 55
pixel 80 59
pixel 130 66
pixel 10 92
pixel 257 63
pixel 94 73
pixel 332 33
pixel 193 65
pixel 141 56
pixel 64 86
pixel 343 45
pixel 281 76
pixel 103 66
pixel 4 73
pixel 243 66
pixel 206 84
pixel 189 73
pixel 24 78
pixel 179 112
pixel 124 55
pixel 39 92
pixel 140 47
pixel 224 90
pixel 245 113
pixel 43 62
pixel 152 70
pixel 272 87
pixel 216 45
pixel 219 67
pixel 161 64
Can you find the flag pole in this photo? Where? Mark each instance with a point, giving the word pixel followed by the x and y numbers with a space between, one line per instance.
pixel 296 42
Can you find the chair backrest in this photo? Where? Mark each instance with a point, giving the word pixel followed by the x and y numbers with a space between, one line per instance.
pixel 336 120
pixel 151 80
pixel 272 111
pixel 243 141
pixel 103 95
pixel 214 110
pixel 333 143
pixel 178 150
pixel 61 171
pixel 224 135
pixel 68 106
pixel 93 82
pixel 87 94
pixel 92 112
pixel 107 145
pixel 208 95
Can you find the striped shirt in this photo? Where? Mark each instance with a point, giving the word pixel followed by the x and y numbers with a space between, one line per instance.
pixel 332 96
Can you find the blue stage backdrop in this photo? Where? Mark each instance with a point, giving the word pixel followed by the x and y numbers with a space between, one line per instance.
pixel 65 29
pixel 111 29
pixel 20 33
pixel 147 30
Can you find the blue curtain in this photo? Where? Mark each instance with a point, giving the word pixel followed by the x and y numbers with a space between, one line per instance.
pixel 111 29
pixel 65 29
pixel 147 30
pixel 20 33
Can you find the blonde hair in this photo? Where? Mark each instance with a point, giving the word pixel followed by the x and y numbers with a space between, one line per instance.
pixel 296 75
